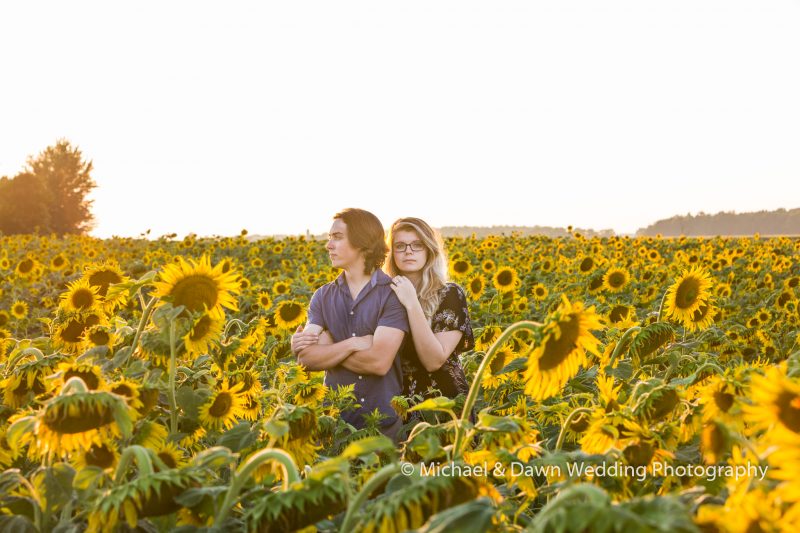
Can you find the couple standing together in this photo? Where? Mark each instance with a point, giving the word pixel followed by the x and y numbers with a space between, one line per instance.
pixel 391 332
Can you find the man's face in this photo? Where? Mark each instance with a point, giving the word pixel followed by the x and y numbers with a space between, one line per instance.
pixel 341 252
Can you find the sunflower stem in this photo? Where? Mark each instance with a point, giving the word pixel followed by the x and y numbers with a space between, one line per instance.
pixel 173 404
pixel 372 483
pixel 476 381
pixel 661 306
pixel 143 462
pixel 245 471
pixel 621 343
pixel 142 323
pixel 563 432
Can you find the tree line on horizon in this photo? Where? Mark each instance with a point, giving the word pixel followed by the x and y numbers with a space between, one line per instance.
pixel 49 195
pixel 778 222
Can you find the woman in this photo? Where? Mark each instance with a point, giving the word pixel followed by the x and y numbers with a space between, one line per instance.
pixel 437 310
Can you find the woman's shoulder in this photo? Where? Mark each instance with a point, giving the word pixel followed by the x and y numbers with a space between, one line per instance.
pixel 452 293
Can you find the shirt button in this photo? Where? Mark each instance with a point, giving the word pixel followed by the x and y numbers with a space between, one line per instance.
pixel 351 312
pixel 360 377
pixel 354 334
pixel 362 399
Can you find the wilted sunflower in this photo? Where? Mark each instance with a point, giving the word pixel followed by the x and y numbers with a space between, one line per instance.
pixel 204 333
pixel 148 494
pixel 79 296
pixel 19 310
pixel 566 337
pixel 505 279
pixel 73 421
pixel 198 286
pixel 687 294
pixel 223 408
pixel 615 279
pixel 289 314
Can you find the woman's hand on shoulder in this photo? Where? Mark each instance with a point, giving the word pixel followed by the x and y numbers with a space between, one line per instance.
pixel 404 290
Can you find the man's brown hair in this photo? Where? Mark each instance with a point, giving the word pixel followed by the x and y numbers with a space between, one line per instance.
pixel 365 233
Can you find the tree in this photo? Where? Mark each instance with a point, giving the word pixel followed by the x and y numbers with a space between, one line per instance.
pixel 24 205
pixel 67 178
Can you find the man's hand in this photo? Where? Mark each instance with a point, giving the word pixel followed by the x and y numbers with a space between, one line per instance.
pixel 303 339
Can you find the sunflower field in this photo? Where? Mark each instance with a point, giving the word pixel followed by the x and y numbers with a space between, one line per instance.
pixel 620 384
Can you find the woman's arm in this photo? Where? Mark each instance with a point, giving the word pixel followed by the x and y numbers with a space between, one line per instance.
pixel 433 349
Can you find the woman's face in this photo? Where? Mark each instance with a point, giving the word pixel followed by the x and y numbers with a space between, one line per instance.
pixel 408 260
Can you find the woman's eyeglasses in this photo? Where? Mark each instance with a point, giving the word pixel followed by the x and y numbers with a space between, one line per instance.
pixel 416 246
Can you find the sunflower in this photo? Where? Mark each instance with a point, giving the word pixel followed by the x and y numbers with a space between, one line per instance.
pixel 26 268
pixel 702 318
pixel 622 316
pixel 102 276
pixel 171 455
pixel 289 314
pixel 91 375
pixel 69 335
pixel 719 402
pixel 58 262
pixel 19 310
pixel 460 268
pixel 205 332
pixel 100 335
pixel 128 389
pixel 310 393
pixel 587 265
pixel 79 296
pixel 281 287
pixel 476 286
pixel 4 318
pixel 223 408
pixel 198 286
pixel 264 300
pixel 103 455
pixel 615 279
pixel 488 266
pixel 73 421
pixel 775 403
pixel 150 434
pixel 539 292
pixel 566 337
pixel 715 441
pixel 687 294
pixel 505 279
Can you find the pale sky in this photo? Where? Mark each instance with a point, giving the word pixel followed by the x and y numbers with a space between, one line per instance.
pixel 213 117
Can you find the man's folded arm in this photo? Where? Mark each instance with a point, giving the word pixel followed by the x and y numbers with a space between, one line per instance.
pixel 377 359
pixel 323 356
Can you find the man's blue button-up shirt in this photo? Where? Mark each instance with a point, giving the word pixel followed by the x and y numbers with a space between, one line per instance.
pixel 333 308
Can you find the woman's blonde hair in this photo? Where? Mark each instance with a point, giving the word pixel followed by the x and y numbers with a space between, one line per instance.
pixel 434 272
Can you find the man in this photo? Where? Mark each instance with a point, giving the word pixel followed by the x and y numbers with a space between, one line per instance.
pixel 356 324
